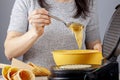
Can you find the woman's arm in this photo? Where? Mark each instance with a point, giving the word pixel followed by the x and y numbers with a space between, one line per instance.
pixel 16 43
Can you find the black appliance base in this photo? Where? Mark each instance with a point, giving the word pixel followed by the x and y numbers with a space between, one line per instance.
pixel 107 72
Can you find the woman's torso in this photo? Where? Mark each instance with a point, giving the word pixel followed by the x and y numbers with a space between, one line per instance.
pixel 56 36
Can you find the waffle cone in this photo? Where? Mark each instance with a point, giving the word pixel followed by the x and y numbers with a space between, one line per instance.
pixel 23 75
pixel 39 71
pixel 11 72
pixel 5 72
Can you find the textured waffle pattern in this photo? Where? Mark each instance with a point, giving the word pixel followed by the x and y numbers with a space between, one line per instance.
pixel 112 35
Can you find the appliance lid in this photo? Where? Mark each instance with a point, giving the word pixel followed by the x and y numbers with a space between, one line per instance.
pixel 111 42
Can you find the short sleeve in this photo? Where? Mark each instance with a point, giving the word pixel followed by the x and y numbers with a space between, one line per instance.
pixel 19 17
pixel 92 29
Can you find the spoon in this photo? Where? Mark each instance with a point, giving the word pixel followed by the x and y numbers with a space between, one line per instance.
pixel 58 19
pixel 75 25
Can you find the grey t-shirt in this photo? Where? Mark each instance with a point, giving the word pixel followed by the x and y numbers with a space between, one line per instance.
pixel 56 35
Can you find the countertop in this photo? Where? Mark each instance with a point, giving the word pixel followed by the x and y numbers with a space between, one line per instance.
pixel 37 78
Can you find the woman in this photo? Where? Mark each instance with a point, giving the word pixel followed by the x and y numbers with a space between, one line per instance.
pixel 34 34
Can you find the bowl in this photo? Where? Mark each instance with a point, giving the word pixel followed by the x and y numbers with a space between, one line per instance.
pixel 65 57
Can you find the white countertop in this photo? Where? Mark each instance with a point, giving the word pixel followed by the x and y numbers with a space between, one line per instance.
pixel 37 78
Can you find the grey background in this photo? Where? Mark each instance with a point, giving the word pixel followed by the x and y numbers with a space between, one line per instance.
pixel 5 10
pixel 105 11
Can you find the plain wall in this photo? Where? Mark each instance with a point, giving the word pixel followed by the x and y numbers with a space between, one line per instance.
pixel 105 11
pixel 5 11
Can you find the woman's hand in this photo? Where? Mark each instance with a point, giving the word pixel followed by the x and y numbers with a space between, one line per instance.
pixel 95 45
pixel 98 47
pixel 38 19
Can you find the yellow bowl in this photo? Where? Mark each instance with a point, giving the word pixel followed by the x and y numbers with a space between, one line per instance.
pixel 63 57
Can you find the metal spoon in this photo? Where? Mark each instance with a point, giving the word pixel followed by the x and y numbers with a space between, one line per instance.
pixel 58 19
pixel 66 24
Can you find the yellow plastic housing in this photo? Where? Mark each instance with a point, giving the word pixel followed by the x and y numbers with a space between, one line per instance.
pixel 63 57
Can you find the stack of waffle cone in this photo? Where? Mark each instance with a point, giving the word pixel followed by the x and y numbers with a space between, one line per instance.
pixel 13 73
pixel 19 70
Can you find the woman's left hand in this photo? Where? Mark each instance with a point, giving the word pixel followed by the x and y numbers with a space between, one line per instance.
pixel 98 46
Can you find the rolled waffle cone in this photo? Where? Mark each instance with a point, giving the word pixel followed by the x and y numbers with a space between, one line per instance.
pixel 5 72
pixel 23 74
pixel 39 71
pixel 12 71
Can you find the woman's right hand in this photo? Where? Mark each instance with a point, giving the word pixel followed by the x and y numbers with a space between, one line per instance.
pixel 38 19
